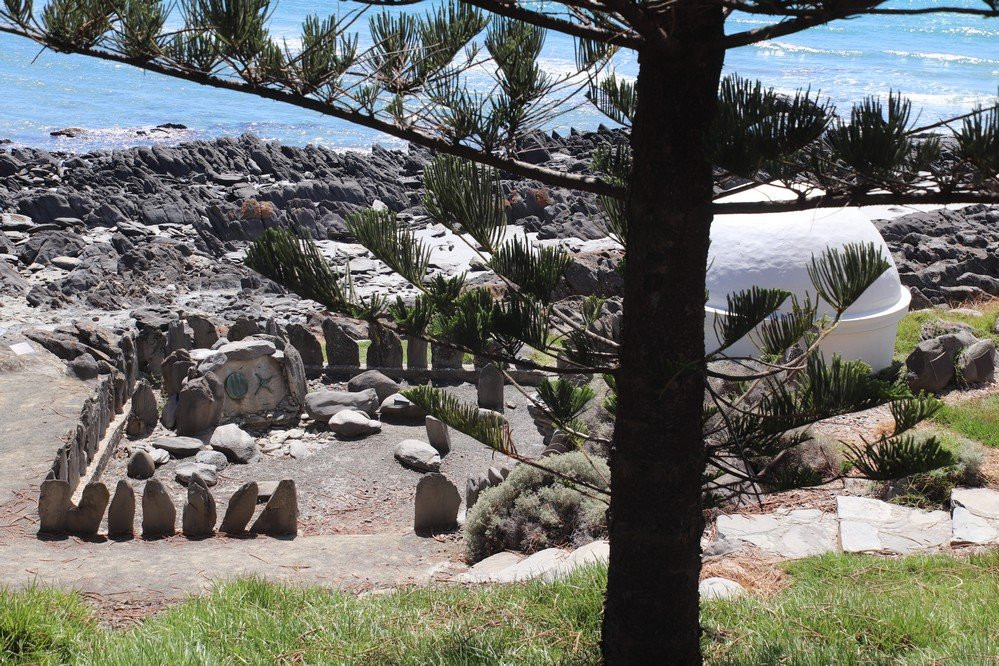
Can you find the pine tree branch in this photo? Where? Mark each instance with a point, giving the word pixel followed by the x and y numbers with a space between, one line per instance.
pixel 513 10
pixel 518 167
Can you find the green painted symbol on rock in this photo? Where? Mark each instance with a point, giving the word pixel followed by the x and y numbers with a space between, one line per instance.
pixel 236 385
pixel 263 383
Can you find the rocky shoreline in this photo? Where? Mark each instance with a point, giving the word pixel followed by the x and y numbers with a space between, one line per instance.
pixel 101 234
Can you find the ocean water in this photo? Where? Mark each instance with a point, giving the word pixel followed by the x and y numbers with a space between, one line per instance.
pixel 944 63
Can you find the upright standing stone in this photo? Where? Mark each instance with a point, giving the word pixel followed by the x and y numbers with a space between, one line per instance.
pixel 53 504
pixel 199 404
pixel 438 435
pixel 303 339
pixel 121 513
pixel 159 517
pixel 200 514
pixel 437 502
pixel 203 331
pixel 341 349
pixel 144 412
pixel 443 357
pixel 178 336
pixel 416 353
pixel 151 350
pixel 385 350
pixel 491 388
pixel 175 368
pixel 85 519
pixel 240 509
pixel 271 327
pixel 280 515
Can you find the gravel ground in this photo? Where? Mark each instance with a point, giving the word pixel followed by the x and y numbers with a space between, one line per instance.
pixel 349 486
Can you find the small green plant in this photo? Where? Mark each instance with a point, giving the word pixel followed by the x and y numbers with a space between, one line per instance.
pixel 931 490
pixel 535 509
pixel 977 419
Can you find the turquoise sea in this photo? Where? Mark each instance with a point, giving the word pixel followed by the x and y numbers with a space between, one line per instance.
pixel 945 63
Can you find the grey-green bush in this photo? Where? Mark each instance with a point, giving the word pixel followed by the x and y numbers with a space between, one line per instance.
pixel 534 509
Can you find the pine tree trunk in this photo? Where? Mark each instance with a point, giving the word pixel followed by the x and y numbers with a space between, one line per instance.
pixel 651 612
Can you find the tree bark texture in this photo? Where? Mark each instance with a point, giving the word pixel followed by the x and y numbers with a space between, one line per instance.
pixel 658 456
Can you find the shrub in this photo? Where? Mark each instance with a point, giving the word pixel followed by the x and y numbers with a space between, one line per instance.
pixel 534 509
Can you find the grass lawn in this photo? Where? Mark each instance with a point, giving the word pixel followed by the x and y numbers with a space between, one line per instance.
pixel 908 328
pixel 839 609
pixel 977 419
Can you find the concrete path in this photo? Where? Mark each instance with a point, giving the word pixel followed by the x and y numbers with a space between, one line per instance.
pixel 39 405
pixel 171 569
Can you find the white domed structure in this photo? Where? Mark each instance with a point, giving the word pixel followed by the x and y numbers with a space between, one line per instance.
pixel 775 251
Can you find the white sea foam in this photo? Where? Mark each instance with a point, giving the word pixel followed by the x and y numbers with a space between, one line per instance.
pixel 786 48
pixel 945 57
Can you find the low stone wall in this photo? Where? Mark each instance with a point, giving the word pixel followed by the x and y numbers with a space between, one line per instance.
pixel 91 353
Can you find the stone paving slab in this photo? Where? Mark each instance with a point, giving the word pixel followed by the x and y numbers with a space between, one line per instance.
pixel 871 526
pixel 975 514
pixel 792 534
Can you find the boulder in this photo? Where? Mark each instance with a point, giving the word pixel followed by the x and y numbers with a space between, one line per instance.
pixel 719 588
pixel 144 412
pixel 321 405
pixel 341 348
pixel 309 348
pixel 121 513
pixel 931 365
pixel 280 515
pixel 352 423
pixel 438 435
pixel 187 470
pixel 240 509
pixel 199 404
pixel 385 350
pixel 179 447
pixel 398 406
pixel 246 350
pixel 159 517
pixel 216 459
pixel 373 379
pixel 140 466
pixel 977 363
pixel 53 505
pixel 437 502
pixel 199 515
pixel 418 455
pixel 490 388
pixel 237 445
pixel 83 367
